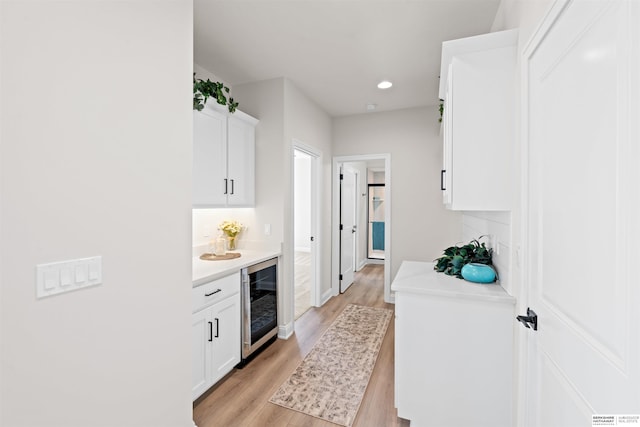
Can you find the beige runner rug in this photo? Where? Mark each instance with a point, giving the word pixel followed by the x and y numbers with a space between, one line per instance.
pixel 331 381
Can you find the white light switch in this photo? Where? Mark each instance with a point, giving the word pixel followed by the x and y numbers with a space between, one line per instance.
pixel 58 277
pixel 81 273
pixel 65 276
pixel 51 279
pixel 267 229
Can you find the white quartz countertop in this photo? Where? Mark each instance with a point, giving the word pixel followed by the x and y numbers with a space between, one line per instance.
pixel 420 278
pixel 206 271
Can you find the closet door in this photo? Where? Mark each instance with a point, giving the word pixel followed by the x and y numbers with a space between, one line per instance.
pixel 581 206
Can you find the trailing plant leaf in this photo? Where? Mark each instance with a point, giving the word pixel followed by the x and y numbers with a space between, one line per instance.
pixel 456 257
pixel 203 90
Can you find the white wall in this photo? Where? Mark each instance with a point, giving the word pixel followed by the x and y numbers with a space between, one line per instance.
pixel 96 160
pixel 524 15
pixel 286 114
pixel 307 123
pixel 421 226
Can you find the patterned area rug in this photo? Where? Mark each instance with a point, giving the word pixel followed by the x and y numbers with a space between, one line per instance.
pixel 331 381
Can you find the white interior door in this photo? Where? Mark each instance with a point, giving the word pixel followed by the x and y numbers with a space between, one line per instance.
pixel 581 206
pixel 347 227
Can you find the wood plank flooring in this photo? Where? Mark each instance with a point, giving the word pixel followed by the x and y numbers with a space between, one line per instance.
pixel 242 398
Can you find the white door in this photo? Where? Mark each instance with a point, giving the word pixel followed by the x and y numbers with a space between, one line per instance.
pixel 347 227
pixel 581 214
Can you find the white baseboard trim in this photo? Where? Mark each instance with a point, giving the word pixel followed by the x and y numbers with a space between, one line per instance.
pixel 374 261
pixel 285 332
pixel 326 296
pixel 361 264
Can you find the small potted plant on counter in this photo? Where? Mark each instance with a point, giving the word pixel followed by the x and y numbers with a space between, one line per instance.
pixel 472 262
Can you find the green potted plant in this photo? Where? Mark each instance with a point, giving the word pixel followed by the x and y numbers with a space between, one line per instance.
pixel 456 257
pixel 205 89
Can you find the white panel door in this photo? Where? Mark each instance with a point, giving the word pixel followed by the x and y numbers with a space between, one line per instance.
pixel 348 228
pixel 209 158
pixel 581 213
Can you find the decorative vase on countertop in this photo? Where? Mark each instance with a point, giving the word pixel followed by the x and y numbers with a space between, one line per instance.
pixel 478 273
pixel 231 243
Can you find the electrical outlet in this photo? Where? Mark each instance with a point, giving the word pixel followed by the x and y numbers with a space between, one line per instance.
pixel 267 229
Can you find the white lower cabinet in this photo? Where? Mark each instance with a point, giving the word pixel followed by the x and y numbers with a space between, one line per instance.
pixel 215 332
pixel 453 350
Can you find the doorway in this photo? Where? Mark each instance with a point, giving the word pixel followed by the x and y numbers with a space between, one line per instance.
pixel 305 217
pixel 361 163
pixel 375 221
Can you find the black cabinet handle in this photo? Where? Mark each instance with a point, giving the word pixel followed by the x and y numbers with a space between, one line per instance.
pixel 232 187
pixel 217 327
pixel 442 180
pixel 213 293
pixel 226 185
pixel 210 331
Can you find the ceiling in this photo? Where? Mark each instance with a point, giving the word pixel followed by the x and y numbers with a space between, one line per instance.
pixel 336 51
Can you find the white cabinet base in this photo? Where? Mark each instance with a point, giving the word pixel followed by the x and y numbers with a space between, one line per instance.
pixel 453 350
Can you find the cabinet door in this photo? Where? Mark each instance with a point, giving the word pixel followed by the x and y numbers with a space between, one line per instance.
pixel 241 162
pixel 226 336
pixel 200 353
pixel 210 183
pixel 447 150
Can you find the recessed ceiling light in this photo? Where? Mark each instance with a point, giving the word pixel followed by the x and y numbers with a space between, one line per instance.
pixel 385 84
pixel 371 107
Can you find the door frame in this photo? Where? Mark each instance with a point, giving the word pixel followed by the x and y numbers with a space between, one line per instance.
pixel 316 245
pixel 335 220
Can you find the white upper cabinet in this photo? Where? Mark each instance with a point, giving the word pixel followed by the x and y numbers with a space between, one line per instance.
pixel 241 136
pixel 477 85
pixel 223 158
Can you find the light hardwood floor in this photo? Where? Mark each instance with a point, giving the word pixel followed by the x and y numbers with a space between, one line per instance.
pixel 302 285
pixel 242 398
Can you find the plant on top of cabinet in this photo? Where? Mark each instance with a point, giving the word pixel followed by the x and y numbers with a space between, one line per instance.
pixel 203 90
pixel 456 257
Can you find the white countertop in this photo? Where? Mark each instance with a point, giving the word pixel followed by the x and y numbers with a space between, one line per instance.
pixel 206 271
pixel 420 278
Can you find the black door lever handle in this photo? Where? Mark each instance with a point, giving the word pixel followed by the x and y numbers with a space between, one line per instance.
pixel 530 320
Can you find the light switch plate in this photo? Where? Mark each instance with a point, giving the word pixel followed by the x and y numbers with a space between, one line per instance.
pixel 64 276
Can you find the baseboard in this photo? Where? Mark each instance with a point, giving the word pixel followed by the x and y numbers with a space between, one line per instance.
pixel 326 296
pixel 361 264
pixel 374 261
pixel 284 332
